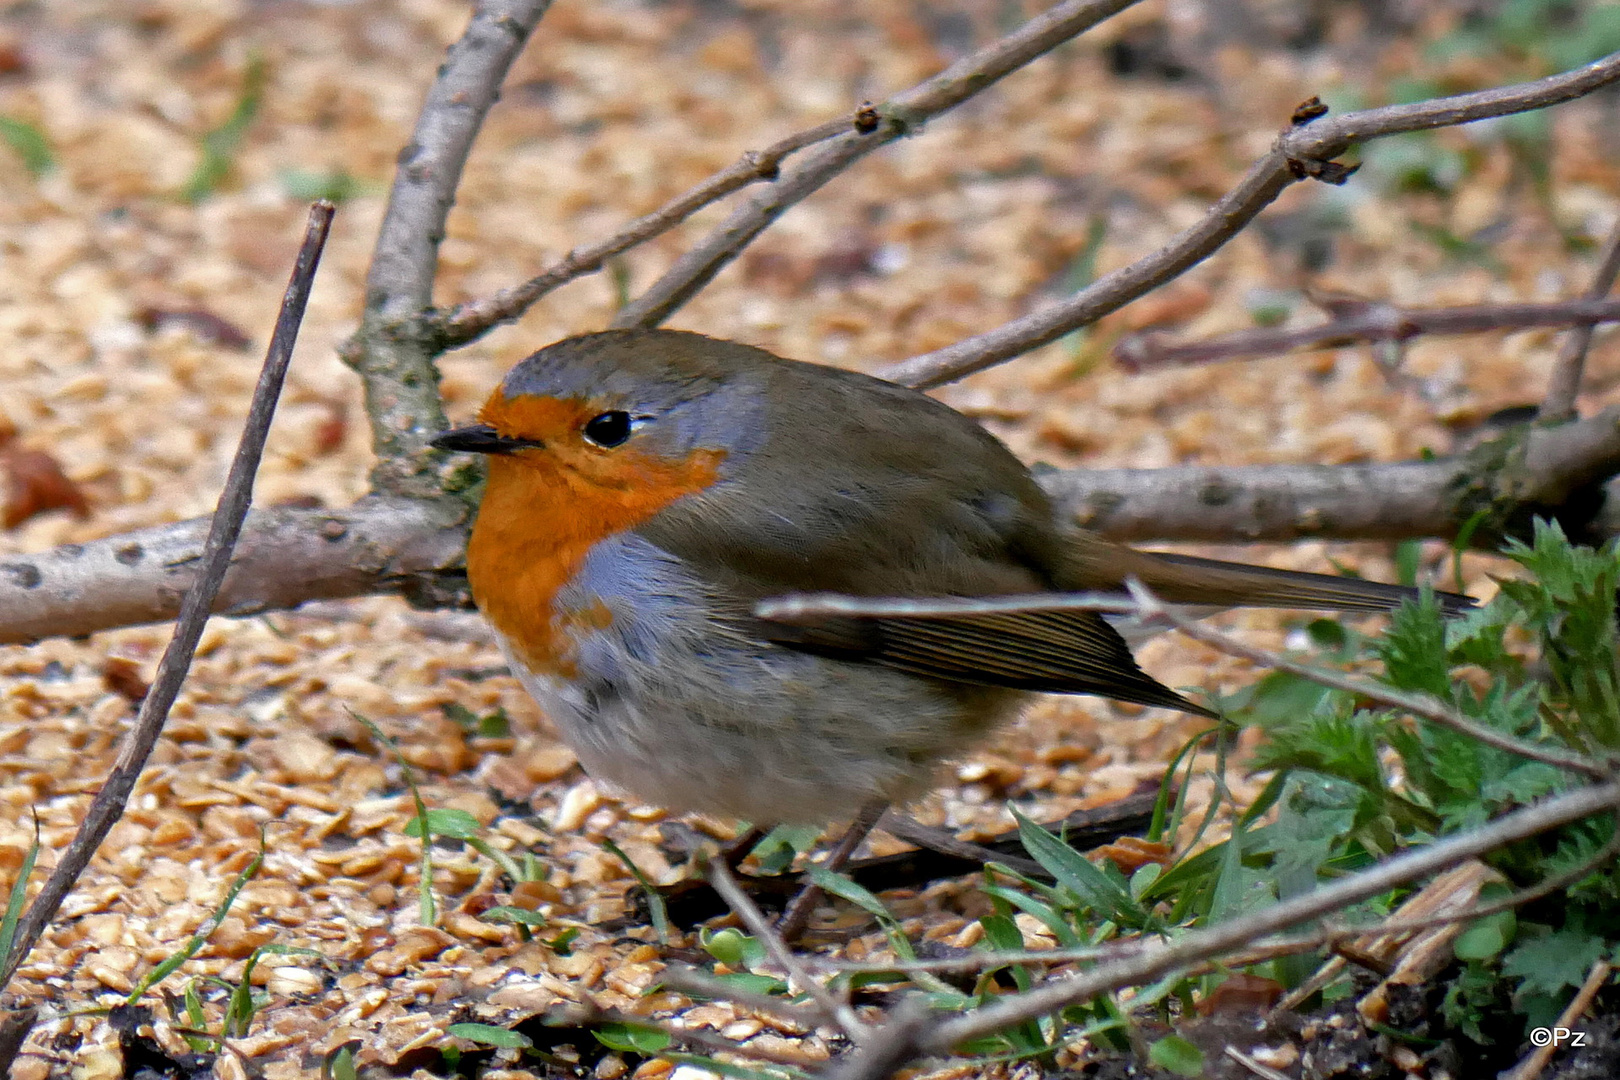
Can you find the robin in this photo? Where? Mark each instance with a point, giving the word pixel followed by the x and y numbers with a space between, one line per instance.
pixel 649 488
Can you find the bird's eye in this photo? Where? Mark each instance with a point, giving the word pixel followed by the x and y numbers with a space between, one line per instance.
pixel 610 429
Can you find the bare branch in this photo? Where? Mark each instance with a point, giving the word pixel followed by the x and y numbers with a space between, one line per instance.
pixel 1266 949
pixel 1369 321
pixel 1529 470
pixel 392 351
pixel 470 321
pixel 1300 151
pixel 1565 385
pixel 901 115
pixel 108 805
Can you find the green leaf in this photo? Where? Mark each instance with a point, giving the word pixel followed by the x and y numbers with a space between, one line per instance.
pixel 1095 888
pixel 490 1035
pixel 220 145
pixel 1414 649
pixel 752 983
pixel 1553 962
pixel 1327 633
pixel 843 887
pixel 1486 937
pixel 656 908
pixel 631 1038
pixel 1177 1055
pixel 28 143
pixel 447 822
pixel 14 900
pixel 732 947
pixel 507 913
pixel 1046 913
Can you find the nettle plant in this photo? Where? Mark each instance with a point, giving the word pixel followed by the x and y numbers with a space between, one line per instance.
pixel 1353 784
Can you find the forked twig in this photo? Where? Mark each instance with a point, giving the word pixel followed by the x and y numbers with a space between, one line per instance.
pixel 392 351
pixel 838 1012
pixel 108 805
pixel 1565 384
pixel 467 322
pixel 900 115
pixel 1368 321
pixel 1301 151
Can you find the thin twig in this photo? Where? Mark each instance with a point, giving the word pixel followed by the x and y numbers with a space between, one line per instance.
pixel 1300 151
pixel 1370 321
pixel 15 1025
pixel 467 322
pixel 837 1011
pixel 1565 384
pixel 885 1050
pixel 108 805
pixel 1265 1072
pixel 1211 942
pixel 1531 1067
pixel 901 115
pixel 1421 706
pixel 695 983
pixel 1262 950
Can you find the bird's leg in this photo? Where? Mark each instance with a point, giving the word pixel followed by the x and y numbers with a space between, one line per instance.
pixel 735 851
pixel 797 915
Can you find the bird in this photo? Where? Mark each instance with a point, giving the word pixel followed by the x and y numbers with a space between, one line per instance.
pixel 648 490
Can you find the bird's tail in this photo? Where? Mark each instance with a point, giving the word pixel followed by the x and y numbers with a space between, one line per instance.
pixel 1193 580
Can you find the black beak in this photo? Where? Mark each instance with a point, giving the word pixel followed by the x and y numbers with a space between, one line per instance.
pixel 479 439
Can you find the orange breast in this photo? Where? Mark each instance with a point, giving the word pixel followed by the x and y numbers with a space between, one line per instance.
pixel 542 512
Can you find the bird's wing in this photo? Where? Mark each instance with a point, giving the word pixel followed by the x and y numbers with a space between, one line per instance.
pixel 1062 652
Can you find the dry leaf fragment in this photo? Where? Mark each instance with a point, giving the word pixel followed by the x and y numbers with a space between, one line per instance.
pixel 205 326
pixel 34 482
pixel 122 676
pixel 1131 853
pixel 1241 993
pixel 331 431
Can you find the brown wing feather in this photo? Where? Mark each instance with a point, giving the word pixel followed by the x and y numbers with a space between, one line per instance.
pixel 1062 652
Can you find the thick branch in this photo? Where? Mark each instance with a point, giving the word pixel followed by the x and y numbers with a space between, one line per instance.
pixel 1534 470
pixel 287 557
pixel 284 558
pixel 1301 151
pixel 900 115
pixel 392 351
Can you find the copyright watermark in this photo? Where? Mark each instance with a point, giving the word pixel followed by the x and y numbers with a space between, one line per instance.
pixel 1557 1036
